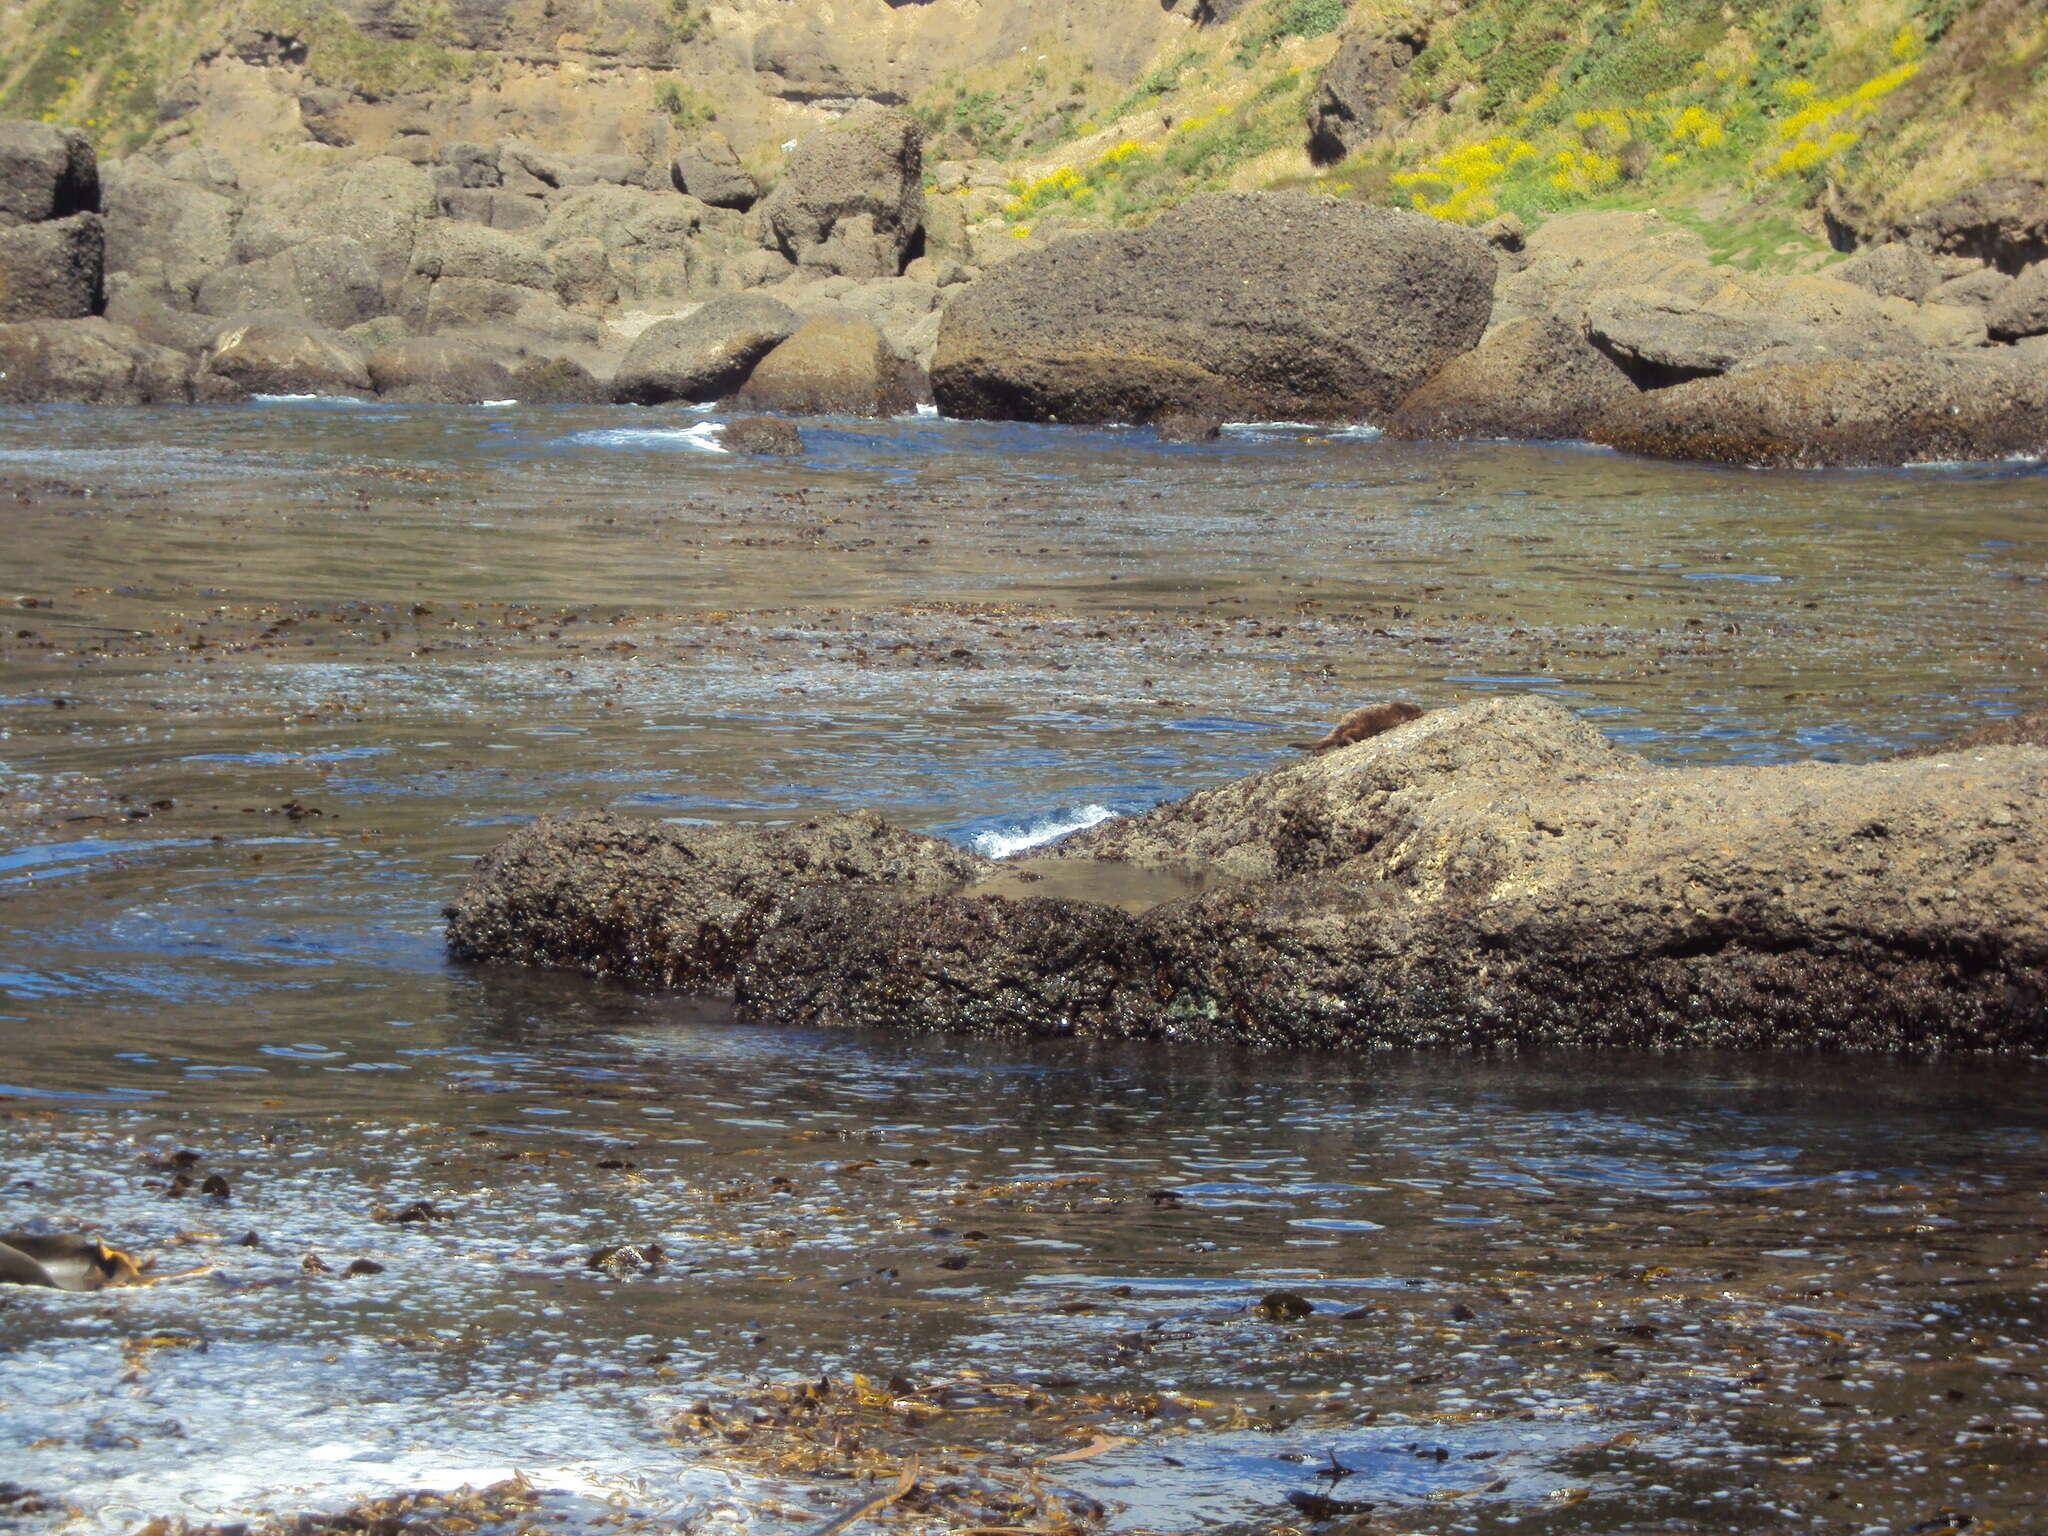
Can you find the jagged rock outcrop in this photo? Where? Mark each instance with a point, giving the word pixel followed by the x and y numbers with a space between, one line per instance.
pixel 2021 309
pixel 45 173
pixel 1496 873
pixel 709 170
pixel 267 358
pixel 88 362
pixel 677 906
pixel 54 270
pixel 1359 94
pixel 329 282
pixel 2003 222
pixel 704 355
pixel 1529 377
pixel 1897 409
pixel 169 232
pixel 851 201
pixel 380 203
pixel 1241 306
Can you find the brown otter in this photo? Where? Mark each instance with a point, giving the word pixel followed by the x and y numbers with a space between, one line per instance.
pixel 64 1261
pixel 1367 721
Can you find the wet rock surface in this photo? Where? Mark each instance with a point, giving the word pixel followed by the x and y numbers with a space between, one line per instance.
pixel 680 907
pixel 1814 411
pixel 1354 307
pixel 1498 873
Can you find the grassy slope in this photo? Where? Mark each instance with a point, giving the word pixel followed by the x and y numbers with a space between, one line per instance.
pixel 1738 118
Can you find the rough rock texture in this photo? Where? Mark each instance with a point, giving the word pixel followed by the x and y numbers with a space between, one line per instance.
pixel 440 370
pixel 651 240
pixel 380 203
pixel 1573 257
pixel 329 282
pixel 1529 378
pixel 2003 221
pixel 1359 95
pixel 1979 290
pixel 852 199
pixel 1883 410
pixel 678 906
pixel 88 362
pixel 1499 872
pixel 704 355
pixel 769 436
pixel 833 365
pixel 1235 305
pixel 280 359
pixel 2022 309
pixel 710 171
pixel 53 270
pixel 168 231
pixel 45 173
pixel 1894 271
pixel 2026 730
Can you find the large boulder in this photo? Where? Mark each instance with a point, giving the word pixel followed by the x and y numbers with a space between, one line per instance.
pixel 1827 411
pixel 380 203
pixel 1569 259
pixel 710 171
pixel 648 237
pixel 1495 873
pixel 852 198
pixel 650 901
pixel 440 370
pixel 2022 309
pixel 1359 95
pixel 1894 270
pixel 705 355
pixel 280 359
pixel 167 231
pixel 446 248
pixel 833 365
pixel 1256 305
pixel 330 282
pixel 1529 378
pixel 88 362
pixel 45 173
pixel 53 270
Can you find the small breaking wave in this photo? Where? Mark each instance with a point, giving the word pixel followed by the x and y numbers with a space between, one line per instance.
pixel 702 438
pixel 1001 842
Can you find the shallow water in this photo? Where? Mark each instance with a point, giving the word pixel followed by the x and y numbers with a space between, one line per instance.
pixel 350 644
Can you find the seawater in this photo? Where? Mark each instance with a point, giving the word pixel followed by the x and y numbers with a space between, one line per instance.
pixel 353 643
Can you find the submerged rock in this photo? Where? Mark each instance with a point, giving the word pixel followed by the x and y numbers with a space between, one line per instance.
pixel 1497 873
pixel 265 359
pixel 769 436
pixel 1240 306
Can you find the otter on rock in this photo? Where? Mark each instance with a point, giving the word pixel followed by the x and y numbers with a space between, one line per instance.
pixel 64 1261
pixel 1366 721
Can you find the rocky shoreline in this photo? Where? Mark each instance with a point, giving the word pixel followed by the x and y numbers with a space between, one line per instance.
pixel 1498 874
pixel 504 273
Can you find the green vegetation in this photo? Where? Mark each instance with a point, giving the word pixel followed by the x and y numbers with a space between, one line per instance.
pixel 687 109
pixel 1277 19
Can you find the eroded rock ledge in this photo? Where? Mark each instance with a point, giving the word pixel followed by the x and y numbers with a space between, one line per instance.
pixel 1494 874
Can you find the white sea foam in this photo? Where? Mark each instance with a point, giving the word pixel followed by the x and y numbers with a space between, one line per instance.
pixel 702 438
pixel 300 399
pixel 1036 833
